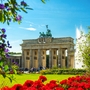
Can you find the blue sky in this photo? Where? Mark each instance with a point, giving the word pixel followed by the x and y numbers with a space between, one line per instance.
pixel 63 17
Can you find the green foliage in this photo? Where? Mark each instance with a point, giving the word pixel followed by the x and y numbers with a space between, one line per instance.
pixel 63 71
pixel 4 45
pixel 84 47
pixel 10 10
pixel 6 68
pixel 43 1
pixel 54 67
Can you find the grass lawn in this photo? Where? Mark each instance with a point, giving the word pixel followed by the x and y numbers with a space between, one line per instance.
pixel 23 77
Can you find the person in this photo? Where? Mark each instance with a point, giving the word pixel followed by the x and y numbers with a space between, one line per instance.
pixel 31 69
pixel 59 65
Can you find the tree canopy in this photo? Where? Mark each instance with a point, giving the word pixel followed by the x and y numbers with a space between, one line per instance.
pixel 84 47
pixel 9 10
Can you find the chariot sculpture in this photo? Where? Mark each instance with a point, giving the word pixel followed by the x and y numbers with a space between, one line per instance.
pixel 48 33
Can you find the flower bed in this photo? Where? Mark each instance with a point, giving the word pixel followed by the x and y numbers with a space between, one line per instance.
pixel 72 83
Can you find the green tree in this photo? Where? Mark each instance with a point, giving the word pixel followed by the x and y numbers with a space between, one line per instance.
pixel 9 11
pixel 84 46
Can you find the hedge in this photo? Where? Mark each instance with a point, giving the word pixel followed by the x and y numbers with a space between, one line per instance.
pixel 63 71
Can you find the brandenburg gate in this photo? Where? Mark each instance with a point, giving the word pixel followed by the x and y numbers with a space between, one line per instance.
pixel 61 51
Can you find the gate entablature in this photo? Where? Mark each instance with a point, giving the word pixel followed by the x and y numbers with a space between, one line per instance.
pixel 64 40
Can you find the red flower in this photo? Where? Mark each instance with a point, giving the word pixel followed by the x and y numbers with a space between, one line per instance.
pixel 87 86
pixel 42 78
pixel 78 78
pixel 63 82
pixel 74 84
pixel 72 88
pixel 46 87
pixel 88 79
pixel 51 85
pixel 69 82
pixel 53 81
pixel 28 83
pixel 72 78
pixel 38 84
pixel 80 88
pixel 82 84
pixel 5 88
pixel 59 88
pixel 31 88
pixel 17 87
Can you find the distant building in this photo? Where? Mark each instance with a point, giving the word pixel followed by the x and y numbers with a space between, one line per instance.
pixel 17 58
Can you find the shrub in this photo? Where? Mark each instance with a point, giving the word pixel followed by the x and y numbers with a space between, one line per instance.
pixel 63 71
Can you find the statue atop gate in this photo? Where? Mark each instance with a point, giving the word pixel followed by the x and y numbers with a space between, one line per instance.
pixel 48 33
pixel 42 34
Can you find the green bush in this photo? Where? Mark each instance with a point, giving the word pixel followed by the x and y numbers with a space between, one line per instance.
pixel 63 71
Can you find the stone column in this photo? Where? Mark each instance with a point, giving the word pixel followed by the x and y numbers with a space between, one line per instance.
pixel 50 58
pixel 54 57
pixel 39 58
pixel 23 59
pixel 19 61
pixel 68 58
pixel 31 59
pixel 63 58
pixel 59 57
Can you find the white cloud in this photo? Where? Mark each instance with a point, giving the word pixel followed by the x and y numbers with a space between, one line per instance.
pixel 31 29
